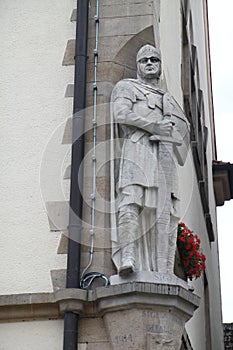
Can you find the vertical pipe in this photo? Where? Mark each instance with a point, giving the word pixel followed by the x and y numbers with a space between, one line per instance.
pixel 94 121
pixel 76 200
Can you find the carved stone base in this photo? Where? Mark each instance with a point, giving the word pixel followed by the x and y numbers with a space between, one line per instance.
pixel 150 277
pixel 142 328
pixel 146 316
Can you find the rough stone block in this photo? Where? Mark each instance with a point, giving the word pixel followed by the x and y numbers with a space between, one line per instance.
pixel 126 9
pixel 106 71
pixel 107 52
pixel 67 136
pixel 103 88
pixel 73 15
pixel 67 173
pixel 63 244
pixel 68 59
pixel 98 346
pixel 58 279
pixel 145 329
pixel 121 25
pixel 101 216
pixel 101 262
pixel 58 215
pixel 69 90
pixel 92 330
pixel 102 237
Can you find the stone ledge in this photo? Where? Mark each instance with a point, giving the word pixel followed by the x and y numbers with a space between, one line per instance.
pixel 127 295
pixel 24 299
pixel 41 305
pixel 96 302
pixel 28 306
pixel 72 300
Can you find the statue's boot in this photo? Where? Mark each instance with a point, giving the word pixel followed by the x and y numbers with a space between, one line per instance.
pixel 128 260
pixel 128 233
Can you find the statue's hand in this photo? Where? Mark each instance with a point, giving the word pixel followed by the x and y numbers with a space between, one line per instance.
pixel 164 128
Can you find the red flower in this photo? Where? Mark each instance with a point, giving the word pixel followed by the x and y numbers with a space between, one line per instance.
pixel 188 244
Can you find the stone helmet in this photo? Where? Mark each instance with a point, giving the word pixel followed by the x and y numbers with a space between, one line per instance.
pixel 147 51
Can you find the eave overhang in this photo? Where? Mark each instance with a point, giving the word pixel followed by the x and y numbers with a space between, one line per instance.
pixel 223 181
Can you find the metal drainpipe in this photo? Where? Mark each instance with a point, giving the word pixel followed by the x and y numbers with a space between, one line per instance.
pixel 76 199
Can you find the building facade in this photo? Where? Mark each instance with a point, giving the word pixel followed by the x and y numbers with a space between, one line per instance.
pixel 37 61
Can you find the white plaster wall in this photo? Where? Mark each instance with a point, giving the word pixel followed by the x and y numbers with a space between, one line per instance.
pixel 213 274
pixel 202 53
pixel 170 45
pixel 36 335
pixel 193 217
pixel 34 35
pixel 191 207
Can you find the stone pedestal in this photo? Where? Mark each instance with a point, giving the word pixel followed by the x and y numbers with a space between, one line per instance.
pixel 137 315
pixel 146 315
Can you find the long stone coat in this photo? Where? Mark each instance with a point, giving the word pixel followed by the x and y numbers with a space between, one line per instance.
pixel 136 107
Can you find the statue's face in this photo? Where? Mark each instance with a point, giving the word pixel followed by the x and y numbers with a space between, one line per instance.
pixel 149 67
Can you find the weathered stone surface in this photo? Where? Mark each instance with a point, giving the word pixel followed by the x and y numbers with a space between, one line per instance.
pixel 69 53
pixel 102 239
pixel 102 131
pixel 98 346
pixel 144 316
pixel 67 173
pixel 123 48
pixel 106 71
pixel 58 215
pixel 58 279
pixel 63 244
pixel 100 218
pixel 103 88
pixel 119 9
pixel 107 53
pixel 118 296
pixel 71 300
pixel 120 2
pixel 94 346
pixel 24 299
pixel 145 329
pixel 101 193
pixel 73 15
pixel 28 306
pixel 128 10
pixel 100 258
pixel 122 25
pixel 69 90
pixel 92 330
pixel 150 277
pixel 29 312
pixel 67 136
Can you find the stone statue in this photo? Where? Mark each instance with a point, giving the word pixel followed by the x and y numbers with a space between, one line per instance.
pixel 153 136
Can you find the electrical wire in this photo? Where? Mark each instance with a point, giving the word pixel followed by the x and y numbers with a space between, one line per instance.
pixel 93 275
